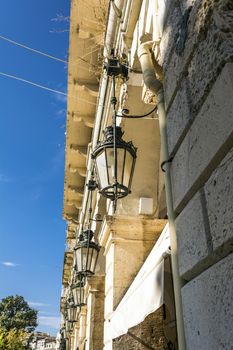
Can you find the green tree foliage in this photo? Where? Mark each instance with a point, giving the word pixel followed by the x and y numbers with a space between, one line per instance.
pixel 13 340
pixel 15 313
pixel 17 321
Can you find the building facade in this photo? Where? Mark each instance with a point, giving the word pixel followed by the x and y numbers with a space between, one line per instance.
pixel 43 341
pixel 162 71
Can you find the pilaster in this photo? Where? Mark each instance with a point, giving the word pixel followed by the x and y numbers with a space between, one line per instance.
pixel 82 328
pixel 95 312
pixel 127 242
pixel 76 334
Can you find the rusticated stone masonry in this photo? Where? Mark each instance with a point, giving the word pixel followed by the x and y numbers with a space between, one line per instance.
pixel 197 58
pixel 147 335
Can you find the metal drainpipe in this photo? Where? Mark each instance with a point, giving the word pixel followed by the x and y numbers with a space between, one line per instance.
pixel 150 80
pixel 130 20
pixel 113 25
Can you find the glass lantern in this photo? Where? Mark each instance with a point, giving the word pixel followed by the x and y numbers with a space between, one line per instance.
pixel 71 313
pixel 77 289
pixel 86 254
pixel 69 327
pixel 114 174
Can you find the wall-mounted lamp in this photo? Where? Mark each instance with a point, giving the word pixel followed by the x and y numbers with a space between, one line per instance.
pixel 114 173
pixel 114 158
pixel 77 289
pixel 86 254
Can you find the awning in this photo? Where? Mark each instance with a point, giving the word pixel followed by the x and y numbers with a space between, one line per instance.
pixel 146 293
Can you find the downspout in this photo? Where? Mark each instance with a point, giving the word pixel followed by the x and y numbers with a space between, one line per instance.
pixel 131 18
pixel 156 86
pixel 115 14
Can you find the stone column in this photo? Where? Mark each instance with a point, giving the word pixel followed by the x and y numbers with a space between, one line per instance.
pixel 127 241
pixel 76 335
pixel 72 341
pixel 82 328
pixel 95 312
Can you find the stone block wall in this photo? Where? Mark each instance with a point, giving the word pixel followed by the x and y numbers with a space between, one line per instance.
pixel 208 301
pixel 147 335
pixel 197 58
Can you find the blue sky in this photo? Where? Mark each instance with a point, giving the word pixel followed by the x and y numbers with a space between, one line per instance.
pixel 32 138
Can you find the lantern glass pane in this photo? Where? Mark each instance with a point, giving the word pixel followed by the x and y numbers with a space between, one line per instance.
pixel 81 259
pixel 94 260
pixel 102 169
pixel 89 259
pixel 84 258
pixel 127 169
pixel 120 165
pixel 68 326
pixel 75 291
pixel 73 313
pixel 78 254
pixel 110 164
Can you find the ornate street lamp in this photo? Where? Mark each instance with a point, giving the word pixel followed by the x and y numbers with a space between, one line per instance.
pixel 86 254
pixel 114 158
pixel 114 173
pixel 63 333
pixel 77 289
pixel 63 342
pixel 71 313
pixel 69 327
pixel 70 308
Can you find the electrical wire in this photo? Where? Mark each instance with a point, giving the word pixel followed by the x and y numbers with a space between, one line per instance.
pixel 48 55
pixel 33 50
pixel 45 87
pixel 56 59
pixel 124 115
pixel 32 83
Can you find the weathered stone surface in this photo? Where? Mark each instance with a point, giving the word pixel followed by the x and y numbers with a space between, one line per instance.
pixel 171 77
pixel 207 308
pixel 147 335
pixel 219 196
pixel 169 32
pixel 192 236
pixel 176 68
pixel 208 46
pixel 207 141
pixel 178 117
pixel 186 4
pixel 213 51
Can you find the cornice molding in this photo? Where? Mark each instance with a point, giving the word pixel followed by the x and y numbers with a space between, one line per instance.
pixel 125 229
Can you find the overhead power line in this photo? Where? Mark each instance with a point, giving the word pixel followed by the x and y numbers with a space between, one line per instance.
pixel 32 83
pixel 45 87
pixel 33 50
pixel 51 56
